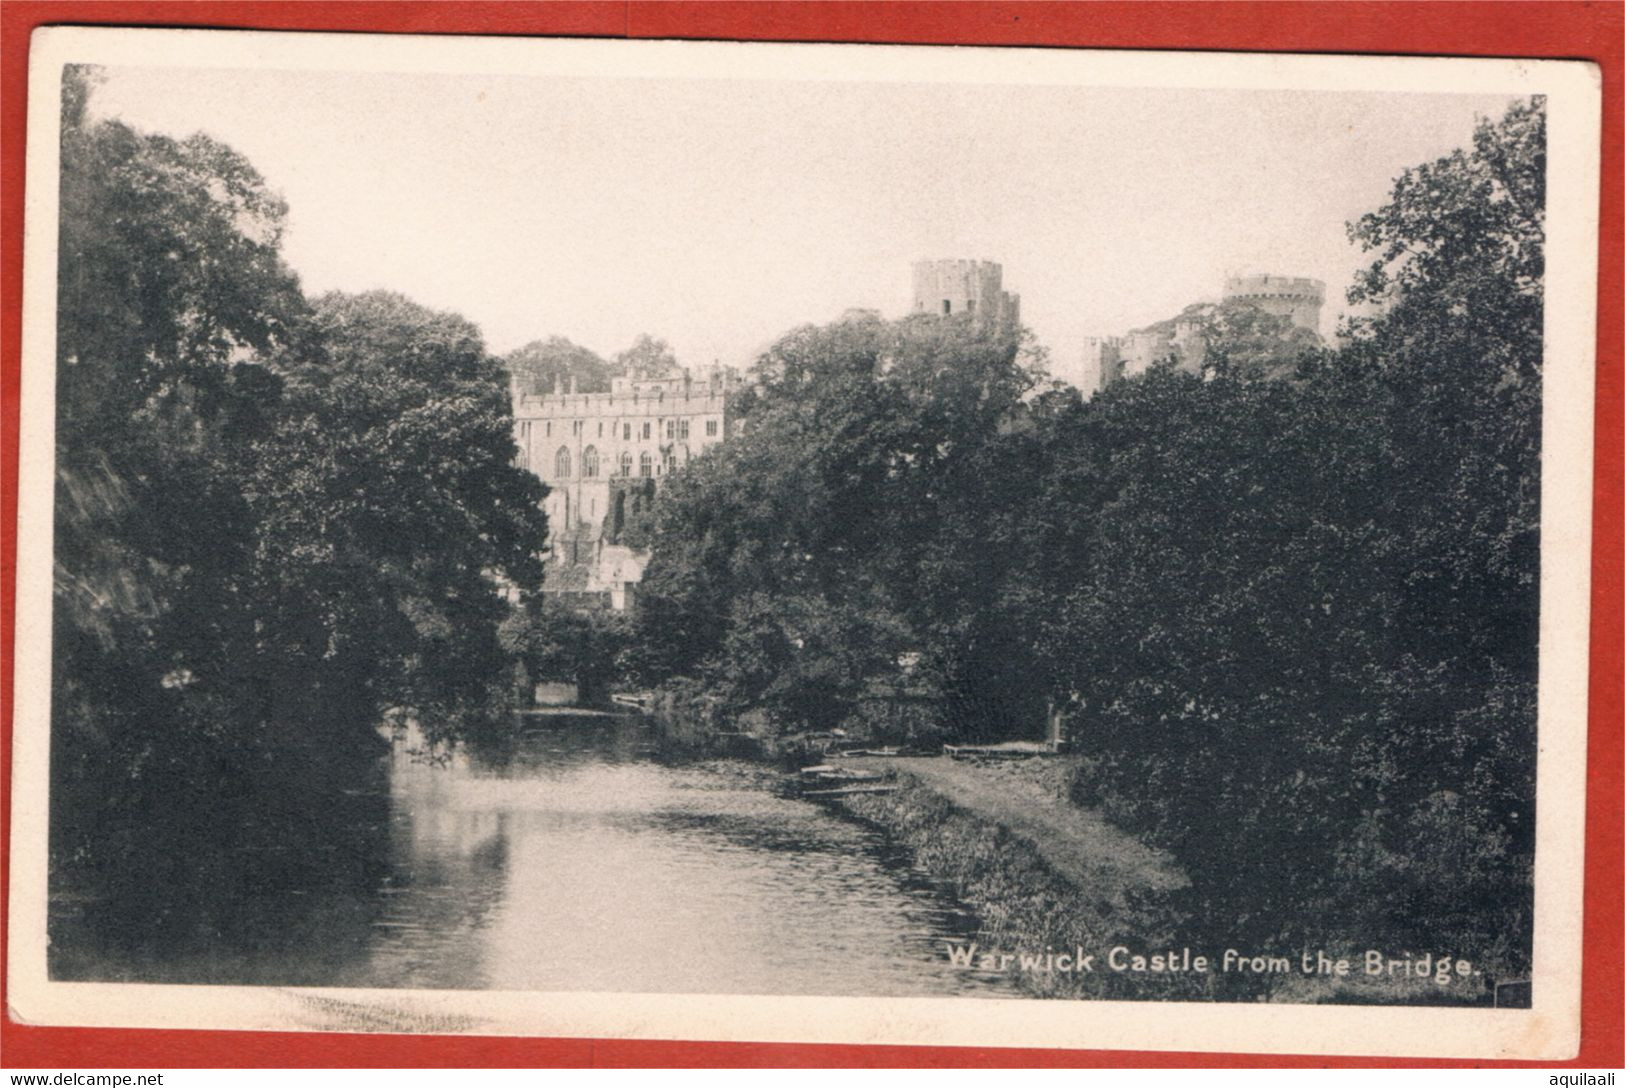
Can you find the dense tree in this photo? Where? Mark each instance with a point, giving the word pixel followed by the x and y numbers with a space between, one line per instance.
pixel 543 366
pixel 170 293
pixel 554 642
pixel 648 357
pixel 838 531
pixel 1305 642
pixel 388 504
pixel 272 521
pixel 1242 339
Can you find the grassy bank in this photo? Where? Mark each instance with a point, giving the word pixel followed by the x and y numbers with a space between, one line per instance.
pixel 1046 875
pixel 1041 881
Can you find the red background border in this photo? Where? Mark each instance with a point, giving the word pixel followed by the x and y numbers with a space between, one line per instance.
pixel 1593 31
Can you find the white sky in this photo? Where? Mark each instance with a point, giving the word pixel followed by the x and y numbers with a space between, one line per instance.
pixel 718 214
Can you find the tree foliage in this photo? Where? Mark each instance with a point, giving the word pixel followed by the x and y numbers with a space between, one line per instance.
pixel 1290 602
pixel 1306 642
pixel 543 366
pixel 1241 339
pixel 553 642
pixel 648 357
pixel 274 518
pixel 801 559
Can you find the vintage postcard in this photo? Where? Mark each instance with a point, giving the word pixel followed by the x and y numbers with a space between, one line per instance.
pixel 822 543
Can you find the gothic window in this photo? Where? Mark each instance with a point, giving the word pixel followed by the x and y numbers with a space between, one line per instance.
pixel 626 463
pixel 589 461
pixel 646 435
pixel 600 428
pixel 671 429
pixel 645 463
pixel 682 430
pixel 947 306
pixel 711 428
pixel 671 463
pixel 626 432
pixel 550 428
pixel 561 462
pixel 970 305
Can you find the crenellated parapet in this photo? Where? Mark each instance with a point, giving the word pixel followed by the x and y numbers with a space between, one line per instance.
pixel 1297 298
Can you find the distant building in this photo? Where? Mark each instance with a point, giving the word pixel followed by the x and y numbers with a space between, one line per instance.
pixel 595 450
pixel 1296 298
pixel 1180 341
pixel 964 287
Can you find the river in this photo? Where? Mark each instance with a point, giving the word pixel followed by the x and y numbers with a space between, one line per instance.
pixel 578 858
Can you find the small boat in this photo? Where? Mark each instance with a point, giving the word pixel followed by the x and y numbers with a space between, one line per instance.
pixel 848 791
pixel 850 776
pixel 1008 750
pixel 639 701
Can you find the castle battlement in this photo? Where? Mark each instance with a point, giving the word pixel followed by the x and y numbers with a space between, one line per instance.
pixel 603 405
pixel 1296 298
pixel 1274 287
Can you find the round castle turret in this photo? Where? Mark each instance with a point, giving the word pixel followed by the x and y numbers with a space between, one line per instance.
pixel 1296 298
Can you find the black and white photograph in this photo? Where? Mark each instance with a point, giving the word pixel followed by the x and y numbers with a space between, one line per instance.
pixel 832 543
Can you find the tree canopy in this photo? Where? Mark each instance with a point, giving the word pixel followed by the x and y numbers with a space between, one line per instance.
pixel 543 366
pixel 648 357
pixel 275 518
pixel 1289 603
pixel 799 560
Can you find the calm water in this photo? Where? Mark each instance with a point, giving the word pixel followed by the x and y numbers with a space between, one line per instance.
pixel 575 860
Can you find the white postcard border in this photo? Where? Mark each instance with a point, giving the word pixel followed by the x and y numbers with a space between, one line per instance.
pixel 1549 1030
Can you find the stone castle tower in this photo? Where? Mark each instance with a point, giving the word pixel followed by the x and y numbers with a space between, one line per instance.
pixel 964 287
pixel 1296 298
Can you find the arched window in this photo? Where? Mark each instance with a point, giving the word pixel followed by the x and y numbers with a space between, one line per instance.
pixel 561 462
pixel 589 461
pixel 646 465
pixel 626 463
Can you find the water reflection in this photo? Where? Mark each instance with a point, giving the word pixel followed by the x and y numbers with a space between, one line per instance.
pixel 575 860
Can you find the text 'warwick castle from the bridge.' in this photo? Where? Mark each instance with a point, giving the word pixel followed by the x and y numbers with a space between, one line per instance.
pixel 603 454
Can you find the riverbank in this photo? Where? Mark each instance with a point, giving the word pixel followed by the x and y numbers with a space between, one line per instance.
pixel 1044 875
pixel 1048 876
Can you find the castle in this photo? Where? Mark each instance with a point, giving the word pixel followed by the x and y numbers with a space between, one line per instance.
pixel 603 454
pixel 1107 359
pixel 596 450
pixel 964 287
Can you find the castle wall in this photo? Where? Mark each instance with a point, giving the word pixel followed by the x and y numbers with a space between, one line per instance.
pixel 578 442
pixel 1296 298
pixel 1111 358
pixel 963 286
pixel 1141 349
